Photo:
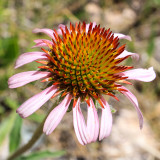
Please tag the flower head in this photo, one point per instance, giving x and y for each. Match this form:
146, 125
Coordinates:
82, 63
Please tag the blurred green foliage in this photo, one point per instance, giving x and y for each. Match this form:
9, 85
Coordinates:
11, 103
37, 117
15, 134
9, 50
151, 44
42, 155
6, 126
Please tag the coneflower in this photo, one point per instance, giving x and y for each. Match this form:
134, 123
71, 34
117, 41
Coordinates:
82, 63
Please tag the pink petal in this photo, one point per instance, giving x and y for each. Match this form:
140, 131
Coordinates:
23, 78
79, 124
35, 102
76, 127
47, 31
29, 57
92, 122
126, 53
87, 26
41, 43
133, 99
59, 28
140, 74
63, 27
106, 120
56, 115
122, 36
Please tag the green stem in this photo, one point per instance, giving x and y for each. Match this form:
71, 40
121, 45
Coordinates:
37, 134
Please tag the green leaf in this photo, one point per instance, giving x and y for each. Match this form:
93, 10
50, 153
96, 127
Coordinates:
41, 155
15, 134
6, 126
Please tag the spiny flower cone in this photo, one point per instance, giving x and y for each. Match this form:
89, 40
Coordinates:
85, 63
82, 63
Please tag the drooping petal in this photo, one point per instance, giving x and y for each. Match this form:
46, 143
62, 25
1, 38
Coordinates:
79, 124
35, 102
122, 36
106, 120
140, 74
56, 115
133, 99
23, 78
47, 31
92, 122
41, 43
75, 124
126, 53
29, 57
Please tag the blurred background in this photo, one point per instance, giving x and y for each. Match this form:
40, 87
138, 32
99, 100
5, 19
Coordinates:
138, 18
